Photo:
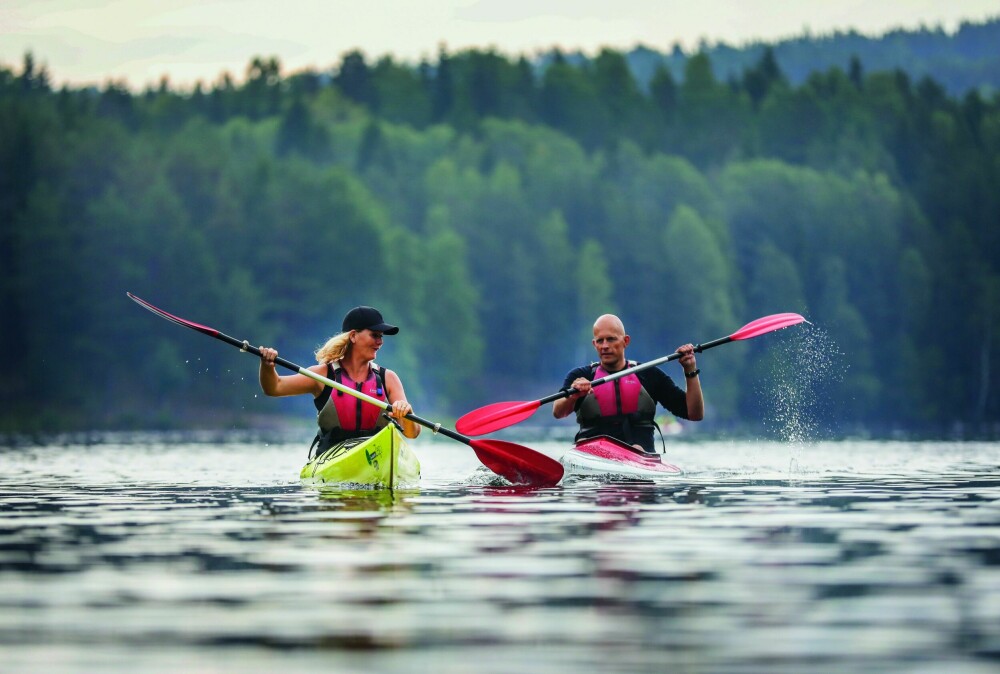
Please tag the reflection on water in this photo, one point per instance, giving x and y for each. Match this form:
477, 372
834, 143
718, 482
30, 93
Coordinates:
212, 557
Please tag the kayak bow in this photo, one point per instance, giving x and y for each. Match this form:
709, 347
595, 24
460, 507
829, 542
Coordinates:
381, 460
608, 457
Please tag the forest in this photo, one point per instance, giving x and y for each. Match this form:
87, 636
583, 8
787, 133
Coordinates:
493, 209
960, 60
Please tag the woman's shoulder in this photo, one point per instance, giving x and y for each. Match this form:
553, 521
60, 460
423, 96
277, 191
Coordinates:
322, 368
381, 368
383, 371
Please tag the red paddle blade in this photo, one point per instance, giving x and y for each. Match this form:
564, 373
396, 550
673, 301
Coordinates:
170, 317
767, 324
494, 417
519, 465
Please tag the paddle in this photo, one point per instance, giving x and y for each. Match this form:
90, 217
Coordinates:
501, 415
519, 465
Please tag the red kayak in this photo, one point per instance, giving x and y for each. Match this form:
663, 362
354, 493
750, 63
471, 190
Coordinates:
609, 457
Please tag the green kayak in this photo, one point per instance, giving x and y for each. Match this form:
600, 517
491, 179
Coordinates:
383, 460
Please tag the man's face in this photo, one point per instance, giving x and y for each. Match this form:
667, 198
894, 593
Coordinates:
610, 342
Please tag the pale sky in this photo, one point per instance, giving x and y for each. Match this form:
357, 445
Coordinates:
140, 41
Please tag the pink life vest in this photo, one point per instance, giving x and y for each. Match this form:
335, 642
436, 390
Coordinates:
353, 413
342, 415
620, 396
621, 408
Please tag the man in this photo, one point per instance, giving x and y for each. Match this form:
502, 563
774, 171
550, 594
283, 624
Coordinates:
626, 407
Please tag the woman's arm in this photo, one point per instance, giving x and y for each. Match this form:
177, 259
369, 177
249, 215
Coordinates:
296, 384
400, 407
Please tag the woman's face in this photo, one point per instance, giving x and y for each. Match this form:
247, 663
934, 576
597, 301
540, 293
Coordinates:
367, 343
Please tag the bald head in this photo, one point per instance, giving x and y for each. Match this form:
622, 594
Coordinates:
609, 322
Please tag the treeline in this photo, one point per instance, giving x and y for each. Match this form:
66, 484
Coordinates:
960, 61
493, 212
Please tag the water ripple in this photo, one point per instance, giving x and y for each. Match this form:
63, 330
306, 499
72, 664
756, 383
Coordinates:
866, 556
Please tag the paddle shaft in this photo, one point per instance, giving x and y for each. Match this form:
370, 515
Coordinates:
567, 392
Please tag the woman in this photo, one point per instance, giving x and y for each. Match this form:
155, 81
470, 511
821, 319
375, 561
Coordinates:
347, 358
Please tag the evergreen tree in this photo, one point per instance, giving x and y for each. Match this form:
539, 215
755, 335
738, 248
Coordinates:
354, 79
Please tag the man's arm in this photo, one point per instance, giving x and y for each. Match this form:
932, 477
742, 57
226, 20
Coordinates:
692, 385
682, 404
694, 398
578, 379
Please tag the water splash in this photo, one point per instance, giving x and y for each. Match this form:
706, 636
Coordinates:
484, 477
806, 362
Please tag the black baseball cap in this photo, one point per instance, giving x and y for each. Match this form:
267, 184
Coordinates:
367, 318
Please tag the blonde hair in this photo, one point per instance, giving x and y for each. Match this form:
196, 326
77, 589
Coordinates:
335, 348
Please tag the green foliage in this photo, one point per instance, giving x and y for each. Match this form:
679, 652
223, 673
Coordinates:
595, 291
700, 294
493, 210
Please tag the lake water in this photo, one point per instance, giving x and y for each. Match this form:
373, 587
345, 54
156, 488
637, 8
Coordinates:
159, 554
